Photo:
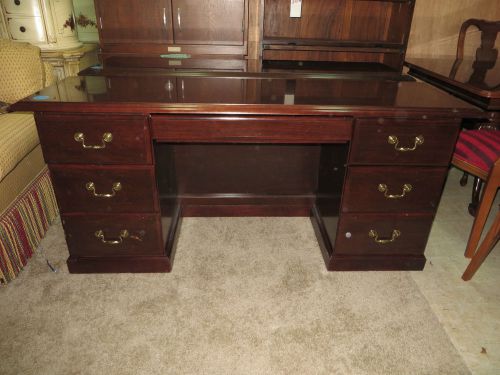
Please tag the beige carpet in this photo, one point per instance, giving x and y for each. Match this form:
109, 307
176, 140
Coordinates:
247, 296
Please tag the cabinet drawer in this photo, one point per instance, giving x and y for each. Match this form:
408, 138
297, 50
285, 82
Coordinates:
396, 234
278, 129
24, 7
392, 141
110, 235
27, 28
393, 189
106, 139
104, 189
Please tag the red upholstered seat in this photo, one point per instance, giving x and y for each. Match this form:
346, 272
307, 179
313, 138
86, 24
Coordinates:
480, 148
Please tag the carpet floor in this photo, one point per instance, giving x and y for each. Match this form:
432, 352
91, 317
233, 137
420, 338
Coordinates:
246, 296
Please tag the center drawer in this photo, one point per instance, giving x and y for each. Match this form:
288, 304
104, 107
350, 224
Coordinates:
104, 189
273, 129
393, 189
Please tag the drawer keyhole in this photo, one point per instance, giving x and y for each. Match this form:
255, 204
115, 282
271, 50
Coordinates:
23, 29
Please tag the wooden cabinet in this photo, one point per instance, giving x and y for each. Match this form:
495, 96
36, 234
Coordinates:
173, 26
374, 31
45, 23
355, 21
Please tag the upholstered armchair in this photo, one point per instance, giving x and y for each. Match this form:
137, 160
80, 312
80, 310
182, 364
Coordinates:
27, 202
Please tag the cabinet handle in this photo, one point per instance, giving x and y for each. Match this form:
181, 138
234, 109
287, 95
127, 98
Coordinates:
373, 234
17, 2
90, 186
106, 138
123, 234
383, 189
22, 29
393, 140
179, 18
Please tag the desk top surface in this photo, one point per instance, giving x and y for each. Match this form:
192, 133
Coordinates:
195, 92
477, 78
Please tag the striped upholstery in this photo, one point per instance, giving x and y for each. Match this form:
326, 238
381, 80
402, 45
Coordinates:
480, 148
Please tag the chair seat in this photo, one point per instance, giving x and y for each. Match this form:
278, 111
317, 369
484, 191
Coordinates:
18, 136
479, 148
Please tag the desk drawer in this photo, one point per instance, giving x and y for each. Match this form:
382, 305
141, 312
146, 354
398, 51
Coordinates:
278, 129
393, 141
113, 235
98, 139
382, 234
104, 189
393, 189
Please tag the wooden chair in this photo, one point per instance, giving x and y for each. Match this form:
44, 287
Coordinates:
491, 239
485, 59
486, 54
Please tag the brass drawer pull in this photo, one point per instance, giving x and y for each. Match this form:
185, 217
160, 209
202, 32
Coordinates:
383, 189
393, 140
106, 138
123, 234
90, 186
373, 234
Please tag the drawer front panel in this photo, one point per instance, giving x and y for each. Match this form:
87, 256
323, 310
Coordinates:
27, 28
378, 234
95, 139
393, 189
392, 141
113, 235
24, 7
251, 129
104, 189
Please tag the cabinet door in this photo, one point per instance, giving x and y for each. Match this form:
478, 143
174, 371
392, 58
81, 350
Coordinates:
209, 22
340, 20
134, 21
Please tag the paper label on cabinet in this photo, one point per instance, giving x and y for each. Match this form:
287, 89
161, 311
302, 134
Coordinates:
295, 8
289, 99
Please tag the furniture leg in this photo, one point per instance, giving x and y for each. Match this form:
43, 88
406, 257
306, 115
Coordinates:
489, 242
463, 180
476, 193
482, 214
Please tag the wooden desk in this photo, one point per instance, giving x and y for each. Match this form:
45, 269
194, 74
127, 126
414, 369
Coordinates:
130, 154
476, 82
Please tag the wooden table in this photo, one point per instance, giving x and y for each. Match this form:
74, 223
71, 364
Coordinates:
476, 82
132, 152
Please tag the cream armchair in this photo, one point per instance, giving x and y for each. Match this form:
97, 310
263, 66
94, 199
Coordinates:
27, 203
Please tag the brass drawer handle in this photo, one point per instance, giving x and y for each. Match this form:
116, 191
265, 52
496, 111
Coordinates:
90, 186
106, 138
393, 140
383, 189
123, 234
373, 234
